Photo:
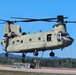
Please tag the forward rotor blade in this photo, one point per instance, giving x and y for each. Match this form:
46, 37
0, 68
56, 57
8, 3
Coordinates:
70, 21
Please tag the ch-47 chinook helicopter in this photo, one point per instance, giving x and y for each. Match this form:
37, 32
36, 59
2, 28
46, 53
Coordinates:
16, 41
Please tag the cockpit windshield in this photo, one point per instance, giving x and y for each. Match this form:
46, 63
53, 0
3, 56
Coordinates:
64, 34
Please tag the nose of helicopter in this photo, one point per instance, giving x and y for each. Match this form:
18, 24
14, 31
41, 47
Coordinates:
69, 41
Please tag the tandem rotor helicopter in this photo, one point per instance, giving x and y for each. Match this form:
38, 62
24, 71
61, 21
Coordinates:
16, 41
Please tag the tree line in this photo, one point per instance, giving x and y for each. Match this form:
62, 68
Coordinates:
44, 62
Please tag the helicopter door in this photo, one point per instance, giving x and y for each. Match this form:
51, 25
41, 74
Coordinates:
49, 37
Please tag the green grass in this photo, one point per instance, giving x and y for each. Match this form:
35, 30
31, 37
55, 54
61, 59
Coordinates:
25, 73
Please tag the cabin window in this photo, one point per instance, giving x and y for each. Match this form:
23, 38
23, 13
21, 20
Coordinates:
4, 41
21, 41
49, 37
39, 38
13, 42
17, 40
30, 39
1, 43
24, 33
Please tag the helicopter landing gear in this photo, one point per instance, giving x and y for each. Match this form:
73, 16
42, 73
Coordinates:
52, 54
35, 53
23, 55
23, 58
6, 54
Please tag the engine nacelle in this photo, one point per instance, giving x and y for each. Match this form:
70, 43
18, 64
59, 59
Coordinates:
59, 27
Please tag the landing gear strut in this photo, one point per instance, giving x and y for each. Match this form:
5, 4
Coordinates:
52, 54
35, 53
6, 54
23, 58
23, 55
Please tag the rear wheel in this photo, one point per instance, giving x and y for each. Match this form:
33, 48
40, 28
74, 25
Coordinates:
35, 54
23, 55
52, 54
6, 54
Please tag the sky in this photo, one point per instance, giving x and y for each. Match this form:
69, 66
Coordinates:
41, 9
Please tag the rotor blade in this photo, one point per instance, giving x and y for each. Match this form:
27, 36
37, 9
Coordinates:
2, 22
70, 21
59, 17
50, 19
33, 19
29, 20
20, 18
6, 20
26, 19
47, 19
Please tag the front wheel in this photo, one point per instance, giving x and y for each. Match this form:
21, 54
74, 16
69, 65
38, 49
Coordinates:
35, 54
52, 54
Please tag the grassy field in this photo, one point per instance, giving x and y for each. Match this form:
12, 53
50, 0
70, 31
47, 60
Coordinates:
25, 73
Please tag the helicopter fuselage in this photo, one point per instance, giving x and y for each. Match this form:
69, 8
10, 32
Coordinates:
40, 41
18, 42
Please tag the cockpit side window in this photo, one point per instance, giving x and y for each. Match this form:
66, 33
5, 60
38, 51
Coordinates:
59, 37
62, 34
49, 37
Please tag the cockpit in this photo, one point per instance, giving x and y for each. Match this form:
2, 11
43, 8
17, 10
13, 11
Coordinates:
63, 35
64, 38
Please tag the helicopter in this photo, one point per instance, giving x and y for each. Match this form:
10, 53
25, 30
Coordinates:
16, 41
